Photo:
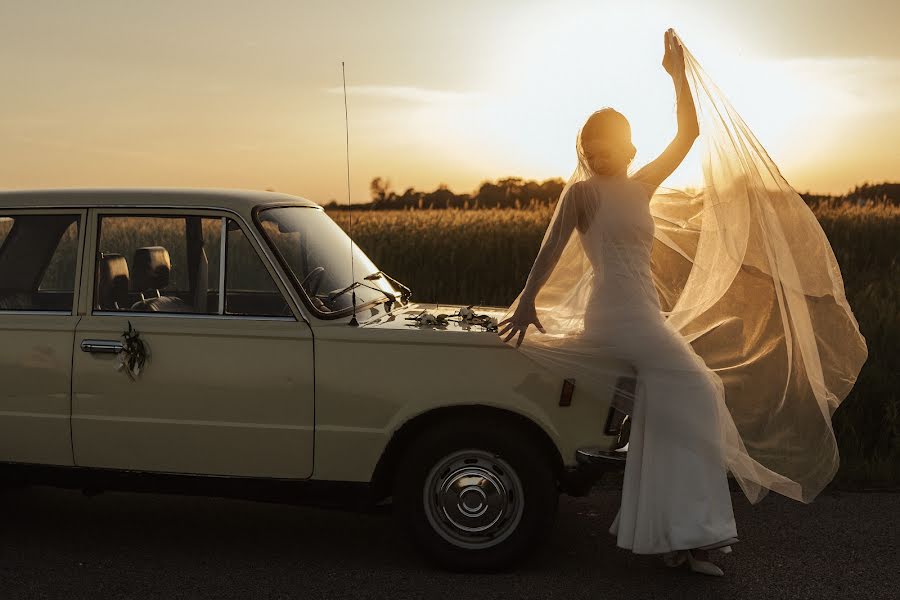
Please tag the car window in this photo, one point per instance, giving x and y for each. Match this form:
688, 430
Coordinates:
60, 273
249, 288
158, 264
38, 256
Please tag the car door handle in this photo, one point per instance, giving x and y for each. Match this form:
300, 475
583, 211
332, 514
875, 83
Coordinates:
102, 346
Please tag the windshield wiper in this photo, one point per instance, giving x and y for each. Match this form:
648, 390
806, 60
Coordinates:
405, 292
390, 298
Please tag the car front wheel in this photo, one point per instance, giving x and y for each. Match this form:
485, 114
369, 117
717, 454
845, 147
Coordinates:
476, 496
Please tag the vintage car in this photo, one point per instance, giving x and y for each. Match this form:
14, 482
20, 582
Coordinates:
237, 343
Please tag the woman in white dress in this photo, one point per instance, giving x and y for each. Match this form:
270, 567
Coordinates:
599, 293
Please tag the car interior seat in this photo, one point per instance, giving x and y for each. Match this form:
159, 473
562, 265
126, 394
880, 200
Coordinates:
151, 266
112, 285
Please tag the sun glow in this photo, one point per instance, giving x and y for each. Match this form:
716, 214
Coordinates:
586, 61
535, 96
451, 93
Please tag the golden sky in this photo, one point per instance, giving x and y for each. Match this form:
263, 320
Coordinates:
247, 94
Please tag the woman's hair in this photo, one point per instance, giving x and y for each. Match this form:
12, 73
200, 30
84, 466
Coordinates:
605, 142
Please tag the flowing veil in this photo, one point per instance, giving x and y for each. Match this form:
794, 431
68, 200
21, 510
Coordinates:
745, 273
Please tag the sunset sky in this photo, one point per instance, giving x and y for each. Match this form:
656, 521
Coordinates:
247, 94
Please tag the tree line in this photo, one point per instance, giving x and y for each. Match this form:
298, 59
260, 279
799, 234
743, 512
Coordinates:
883, 193
518, 193
509, 192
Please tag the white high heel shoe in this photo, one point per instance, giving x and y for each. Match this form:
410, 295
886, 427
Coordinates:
703, 566
681, 557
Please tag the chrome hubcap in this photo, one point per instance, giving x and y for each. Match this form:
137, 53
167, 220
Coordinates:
473, 499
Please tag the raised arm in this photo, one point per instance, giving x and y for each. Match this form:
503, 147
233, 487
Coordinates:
655, 172
571, 212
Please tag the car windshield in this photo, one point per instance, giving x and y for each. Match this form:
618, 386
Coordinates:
317, 251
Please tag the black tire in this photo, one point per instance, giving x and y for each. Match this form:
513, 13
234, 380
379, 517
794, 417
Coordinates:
503, 457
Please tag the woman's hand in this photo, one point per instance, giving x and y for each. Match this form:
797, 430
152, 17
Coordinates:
518, 323
673, 59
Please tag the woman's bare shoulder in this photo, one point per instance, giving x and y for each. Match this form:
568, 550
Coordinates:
579, 192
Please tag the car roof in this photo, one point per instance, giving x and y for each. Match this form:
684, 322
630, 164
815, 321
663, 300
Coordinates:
241, 201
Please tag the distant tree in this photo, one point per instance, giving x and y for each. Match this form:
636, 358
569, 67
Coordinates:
886, 192
442, 197
380, 191
525, 194
880, 192
490, 194
551, 189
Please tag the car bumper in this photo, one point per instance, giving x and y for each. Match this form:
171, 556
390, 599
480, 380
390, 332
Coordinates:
605, 459
591, 464
593, 461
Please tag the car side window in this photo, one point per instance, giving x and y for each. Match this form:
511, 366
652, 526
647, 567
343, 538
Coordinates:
38, 262
158, 264
249, 288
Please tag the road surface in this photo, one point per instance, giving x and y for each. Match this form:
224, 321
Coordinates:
62, 544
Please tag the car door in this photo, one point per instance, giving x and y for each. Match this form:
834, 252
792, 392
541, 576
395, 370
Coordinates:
40, 253
227, 387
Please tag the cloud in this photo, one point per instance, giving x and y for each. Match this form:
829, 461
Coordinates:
851, 85
404, 93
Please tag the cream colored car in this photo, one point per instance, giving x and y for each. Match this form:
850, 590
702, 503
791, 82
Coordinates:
255, 384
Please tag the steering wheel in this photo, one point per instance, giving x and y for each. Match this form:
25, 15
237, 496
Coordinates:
312, 281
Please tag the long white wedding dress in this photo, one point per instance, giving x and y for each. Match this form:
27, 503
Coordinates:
675, 494
730, 305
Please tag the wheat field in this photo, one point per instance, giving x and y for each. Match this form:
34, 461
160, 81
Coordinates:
483, 256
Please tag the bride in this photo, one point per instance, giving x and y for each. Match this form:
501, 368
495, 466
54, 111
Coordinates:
728, 304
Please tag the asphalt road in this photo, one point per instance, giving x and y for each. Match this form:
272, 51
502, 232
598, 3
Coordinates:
61, 544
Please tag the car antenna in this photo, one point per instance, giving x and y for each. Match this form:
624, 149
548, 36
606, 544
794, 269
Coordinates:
353, 322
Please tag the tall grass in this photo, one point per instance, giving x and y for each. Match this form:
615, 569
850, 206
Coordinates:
866, 238
454, 256
483, 256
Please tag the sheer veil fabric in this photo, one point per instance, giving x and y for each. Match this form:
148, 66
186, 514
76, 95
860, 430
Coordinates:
741, 270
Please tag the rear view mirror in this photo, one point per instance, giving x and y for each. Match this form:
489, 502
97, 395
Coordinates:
282, 225
283, 228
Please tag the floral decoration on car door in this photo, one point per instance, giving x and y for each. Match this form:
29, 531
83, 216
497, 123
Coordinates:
134, 354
